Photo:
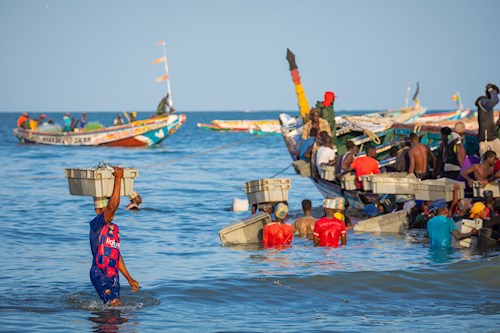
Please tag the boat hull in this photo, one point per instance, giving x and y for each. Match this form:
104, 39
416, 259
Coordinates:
142, 133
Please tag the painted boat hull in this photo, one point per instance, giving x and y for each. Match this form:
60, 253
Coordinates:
142, 133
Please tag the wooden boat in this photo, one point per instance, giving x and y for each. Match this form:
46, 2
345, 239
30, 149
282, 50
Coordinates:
140, 133
252, 126
445, 116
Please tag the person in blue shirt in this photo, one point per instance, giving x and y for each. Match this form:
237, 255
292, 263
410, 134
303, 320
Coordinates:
441, 228
105, 246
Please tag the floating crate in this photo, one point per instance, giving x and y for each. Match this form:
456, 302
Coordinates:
465, 226
328, 172
247, 231
302, 168
478, 190
267, 190
396, 222
348, 182
435, 189
97, 182
394, 183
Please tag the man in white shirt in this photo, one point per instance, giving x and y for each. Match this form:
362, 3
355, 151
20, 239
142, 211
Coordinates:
326, 154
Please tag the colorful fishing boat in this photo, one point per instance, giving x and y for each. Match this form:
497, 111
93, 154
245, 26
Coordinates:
252, 126
140, 133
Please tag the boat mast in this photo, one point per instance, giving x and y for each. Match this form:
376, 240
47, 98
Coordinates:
459, 102
170, 102
407, 94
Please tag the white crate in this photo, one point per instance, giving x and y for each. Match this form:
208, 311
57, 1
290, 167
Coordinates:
435, 189
267, 190
328, 172
99, 182
465, 226
478, 190
302, 168
366, 180
247, 231
394, 183
348, 182
396, 222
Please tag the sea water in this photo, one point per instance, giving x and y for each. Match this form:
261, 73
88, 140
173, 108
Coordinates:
189, 282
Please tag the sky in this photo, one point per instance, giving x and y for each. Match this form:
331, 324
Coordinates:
224, 55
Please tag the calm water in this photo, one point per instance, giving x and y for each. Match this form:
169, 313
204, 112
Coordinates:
189, 282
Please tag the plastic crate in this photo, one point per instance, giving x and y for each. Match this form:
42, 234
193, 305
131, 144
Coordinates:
478, 190
435, 189
366, 180
348, 182
465, 226
396, 222
302, 168
267, 190
328, 172
247, 231
96, 182
394, 183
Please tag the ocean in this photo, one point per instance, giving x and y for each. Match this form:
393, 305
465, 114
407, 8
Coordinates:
189, 282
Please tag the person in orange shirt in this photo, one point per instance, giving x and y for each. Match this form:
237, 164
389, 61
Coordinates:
22, 118
278, 233
364, 165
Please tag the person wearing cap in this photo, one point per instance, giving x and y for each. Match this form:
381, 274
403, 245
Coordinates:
304, 226
487, 133
329, 229
277, 232
478, 211
135, 201
317, 122
441, 228
105, 246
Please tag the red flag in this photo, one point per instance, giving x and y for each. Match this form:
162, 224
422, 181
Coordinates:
160, 42
158, 60
162, 78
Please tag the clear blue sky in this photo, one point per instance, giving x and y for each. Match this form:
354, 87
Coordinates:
61, 55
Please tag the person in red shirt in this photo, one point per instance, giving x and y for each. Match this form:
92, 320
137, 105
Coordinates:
278, 233
22, 118
329, 229
364, 165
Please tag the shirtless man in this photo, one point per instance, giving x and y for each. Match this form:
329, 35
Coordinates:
484, 172
419, 158
304, 225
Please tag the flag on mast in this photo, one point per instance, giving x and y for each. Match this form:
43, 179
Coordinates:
159, 60
160, 42
162, 78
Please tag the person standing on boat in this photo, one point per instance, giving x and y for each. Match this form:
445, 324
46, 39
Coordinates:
118, 120
327, 113
304, 225
451, 154
278, 232
105, 246
487, 133
419, 158
441, 228
83, 120
317, 122
364, 165
67, 122
329, 229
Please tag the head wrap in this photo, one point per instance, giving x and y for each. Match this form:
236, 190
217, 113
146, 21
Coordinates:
334, 203
476, 208
133, 195
100, 202
281, 211
329, 98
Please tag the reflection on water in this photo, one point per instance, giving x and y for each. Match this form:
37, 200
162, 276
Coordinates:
108, 321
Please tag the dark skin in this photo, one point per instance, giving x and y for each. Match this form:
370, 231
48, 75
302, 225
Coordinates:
419, 157
482, 172
109, 214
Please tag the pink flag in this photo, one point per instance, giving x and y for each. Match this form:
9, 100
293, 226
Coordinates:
162, 78
158, 60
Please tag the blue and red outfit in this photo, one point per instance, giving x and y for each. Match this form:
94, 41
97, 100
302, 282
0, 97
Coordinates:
105, 247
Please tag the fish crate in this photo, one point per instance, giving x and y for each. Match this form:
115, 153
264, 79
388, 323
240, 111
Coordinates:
99, 182
328, 172
247, 231
348, 182
478, 190
302, 168
396, 222
465, 226
267, 190
394, 183
366, 180
435, 189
